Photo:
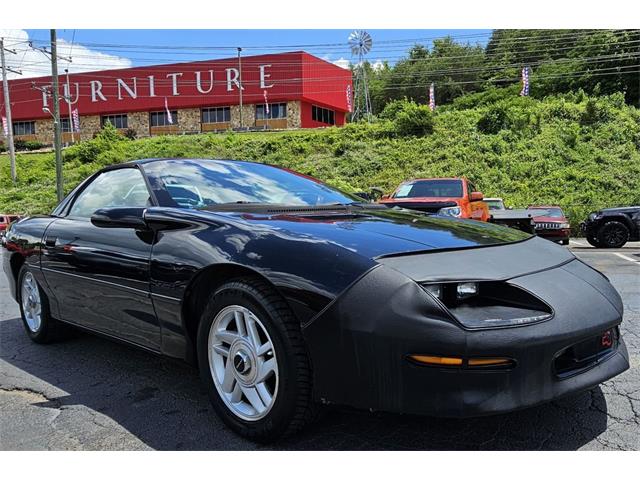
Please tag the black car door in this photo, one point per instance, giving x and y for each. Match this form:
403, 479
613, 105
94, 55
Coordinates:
100, 276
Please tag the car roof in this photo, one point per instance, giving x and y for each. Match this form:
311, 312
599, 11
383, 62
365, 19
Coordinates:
436, 178
496, 199
142, 161
545, 206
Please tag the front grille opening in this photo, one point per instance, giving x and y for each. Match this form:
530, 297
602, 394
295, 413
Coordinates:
584, 355
497, 304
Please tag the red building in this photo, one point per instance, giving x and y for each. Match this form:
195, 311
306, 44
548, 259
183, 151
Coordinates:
302, 91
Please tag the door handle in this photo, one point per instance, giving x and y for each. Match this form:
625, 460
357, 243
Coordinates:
50, 241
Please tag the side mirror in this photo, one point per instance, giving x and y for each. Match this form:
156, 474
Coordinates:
364, 195
476, 196
120, 217
376, 193
385, 197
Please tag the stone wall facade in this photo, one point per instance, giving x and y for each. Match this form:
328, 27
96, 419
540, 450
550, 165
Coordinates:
139, 122
294, 118
188, 121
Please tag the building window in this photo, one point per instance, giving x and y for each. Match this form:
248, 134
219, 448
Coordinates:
276, 110
118, 121
216, 115
161, 119
65, 125
323, 115
24, 128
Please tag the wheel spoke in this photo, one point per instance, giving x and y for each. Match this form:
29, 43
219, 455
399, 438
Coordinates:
254, 399
252, 331
264, 348
265, 396
265, 368
236, 394
229, 379
227, 336
222, 350
239, 318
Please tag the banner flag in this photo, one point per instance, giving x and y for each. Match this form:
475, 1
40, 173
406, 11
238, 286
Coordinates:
525, 82
5, 126
432, 97
76, 120
349, 101
166, 107
266, 103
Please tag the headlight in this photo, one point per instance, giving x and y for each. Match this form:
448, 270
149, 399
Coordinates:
450, 211
489, 304
466, 290
564, 225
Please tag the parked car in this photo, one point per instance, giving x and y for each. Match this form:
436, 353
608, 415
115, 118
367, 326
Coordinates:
5, 220
612, 227
495, 203
454, 197
289, 293
551, 223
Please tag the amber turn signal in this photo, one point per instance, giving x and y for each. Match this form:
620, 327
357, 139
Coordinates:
489, 362
433, 360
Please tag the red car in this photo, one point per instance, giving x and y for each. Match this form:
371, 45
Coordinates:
5, 220
550, 223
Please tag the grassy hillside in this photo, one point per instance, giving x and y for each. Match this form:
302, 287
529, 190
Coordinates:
580, 152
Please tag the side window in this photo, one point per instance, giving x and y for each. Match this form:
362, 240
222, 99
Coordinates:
471, 188
118, 188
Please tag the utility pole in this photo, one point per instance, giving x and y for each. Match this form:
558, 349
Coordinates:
7, 109
240, 78
67, 97
56, 116
57, 137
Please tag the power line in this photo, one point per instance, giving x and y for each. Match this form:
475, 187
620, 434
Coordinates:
591, 73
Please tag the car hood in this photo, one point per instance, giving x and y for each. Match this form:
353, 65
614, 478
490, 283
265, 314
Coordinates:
392, 201
620, 209
376, 232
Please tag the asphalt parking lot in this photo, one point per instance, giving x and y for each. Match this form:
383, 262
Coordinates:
90, 393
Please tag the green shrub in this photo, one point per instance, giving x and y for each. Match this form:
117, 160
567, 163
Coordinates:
538, 151
27, 145
494, 119
131, 134
409, 118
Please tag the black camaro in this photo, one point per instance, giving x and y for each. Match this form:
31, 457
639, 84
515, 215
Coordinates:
288, 293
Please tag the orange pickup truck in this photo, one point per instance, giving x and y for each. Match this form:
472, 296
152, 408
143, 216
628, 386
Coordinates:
455, 197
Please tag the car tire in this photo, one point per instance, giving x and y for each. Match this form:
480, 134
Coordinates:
264, 394
40, 326
613, 234
593, 241
564, 242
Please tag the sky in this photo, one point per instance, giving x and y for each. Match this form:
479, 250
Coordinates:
108, 49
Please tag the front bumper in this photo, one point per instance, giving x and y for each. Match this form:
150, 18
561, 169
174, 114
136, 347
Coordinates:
555, 234
359, 346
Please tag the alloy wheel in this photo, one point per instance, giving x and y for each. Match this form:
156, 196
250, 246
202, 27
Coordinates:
243, 363
31, 302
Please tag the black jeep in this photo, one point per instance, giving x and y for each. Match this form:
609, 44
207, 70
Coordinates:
612, 227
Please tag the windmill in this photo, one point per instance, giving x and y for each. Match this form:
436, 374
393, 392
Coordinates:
360, 43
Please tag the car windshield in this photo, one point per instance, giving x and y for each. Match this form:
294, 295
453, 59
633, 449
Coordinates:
430, 188
202, 183
552, 212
